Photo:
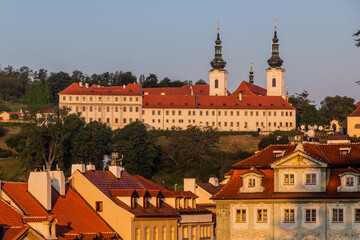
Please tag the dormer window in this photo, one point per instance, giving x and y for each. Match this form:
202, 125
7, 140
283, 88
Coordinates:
177, 203
278, 153
251, 183
289, 179
344, 151
349, 181
158, 202
133, 202
99, 206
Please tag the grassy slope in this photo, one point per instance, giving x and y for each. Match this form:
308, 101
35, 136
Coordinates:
12, 169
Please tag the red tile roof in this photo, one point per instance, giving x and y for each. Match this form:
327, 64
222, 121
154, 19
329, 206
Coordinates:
70, 209
231, 189
130, 89
9, 216
356, 113
201, 90
254, 170
216, 102
246, 88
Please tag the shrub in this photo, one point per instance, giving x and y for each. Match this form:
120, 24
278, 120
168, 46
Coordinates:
3, 131
5, 153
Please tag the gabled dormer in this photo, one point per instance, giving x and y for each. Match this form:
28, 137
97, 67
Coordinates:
252, 181
344, 151
128, 196
300, 172
349, 180
278, 153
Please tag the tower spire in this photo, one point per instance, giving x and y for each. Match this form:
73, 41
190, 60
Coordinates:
275, 61
218, 62
251, 74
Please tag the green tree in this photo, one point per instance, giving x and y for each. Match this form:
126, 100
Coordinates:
201, 82
138, 147
58, 82
337, 108
123, 78
151, 81
91, 143
300, 102
39, 96
311, 116
272, 138
165, 82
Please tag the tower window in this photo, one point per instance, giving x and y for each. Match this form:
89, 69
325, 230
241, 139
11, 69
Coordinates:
274, 82
216, 83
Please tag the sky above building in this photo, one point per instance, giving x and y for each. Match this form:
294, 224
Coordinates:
175, 39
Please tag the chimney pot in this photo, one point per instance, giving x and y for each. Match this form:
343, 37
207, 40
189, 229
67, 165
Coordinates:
81, 84
87, 85
78, 166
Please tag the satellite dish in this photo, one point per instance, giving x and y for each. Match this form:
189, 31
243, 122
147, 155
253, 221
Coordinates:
309, 127
311, 133
315, 126
302, 127
321, 128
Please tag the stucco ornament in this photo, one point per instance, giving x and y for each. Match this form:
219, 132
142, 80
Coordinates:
311, 236
289, 235
223, 214
240, 235
356, 236
337, 236
262, 236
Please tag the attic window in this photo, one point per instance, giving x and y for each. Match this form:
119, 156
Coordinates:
260, 104
283, 105
99, 206
224, 104
130, 91
158, 202
211, 104
159, 104
109, 91
248, 104
344, 151
171, 104
278, 153
236, 104
146, 104
272, 105
186, 104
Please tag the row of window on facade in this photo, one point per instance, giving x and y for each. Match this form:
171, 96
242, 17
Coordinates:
108, 99
91, 108
225, 124
156, 233
231, 113
289, 215
116, 120
190, 232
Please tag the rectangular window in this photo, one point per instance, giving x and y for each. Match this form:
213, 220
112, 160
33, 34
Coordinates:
99, 98
225, 113
262, 215
289, 216
311, 179
143, 112
77, 108
357, 215
213, 113
130, 108
225, 124
251, 113
282, 113
153, 112
257, 113
70, 98
116, 99
99, 206
173, 112
107, 120
124, 109
280, 124
99, 119
241, 215
124, 121
274, 114
179, 113
147, 234
130, 120
207, 113
137, 234
310, 215
290, 114
286, 124
116, 120
108, 109
189, 113
137, 109
338, 215
290, 124
64, 98
77, 98
116, 109
251, 183
91, 99
349, 181
289, 179
91, 119
219, 113
159, 112
91, 108
286, 113
264, 113
193, 113
84, 109
200, 113
231, 113
124, 99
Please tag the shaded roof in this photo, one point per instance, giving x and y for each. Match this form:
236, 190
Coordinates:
338, 137
231, 189
247, 88
9, 216
70, 209
130, 89
210, 188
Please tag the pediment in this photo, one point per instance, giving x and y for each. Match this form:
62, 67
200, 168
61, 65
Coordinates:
298, 159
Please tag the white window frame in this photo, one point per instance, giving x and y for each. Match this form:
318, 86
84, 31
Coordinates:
251, 183
357, 215
289, 215
347, 181
264, 215
241, 212
314, 174
337, 215
288, 176
311, 212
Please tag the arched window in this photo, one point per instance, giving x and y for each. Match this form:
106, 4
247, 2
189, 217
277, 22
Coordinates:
216, 83
357, 126
274, 82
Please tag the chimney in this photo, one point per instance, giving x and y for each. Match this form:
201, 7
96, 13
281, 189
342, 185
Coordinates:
87, 85
90, 167
191, 91
81, 84
0, 188
39, 186
58, 181
116, 170
162, 93
190, 184
240, 96
78, 166
214, 181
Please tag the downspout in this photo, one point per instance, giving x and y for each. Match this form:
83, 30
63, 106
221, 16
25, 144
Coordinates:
326, 220
273, 222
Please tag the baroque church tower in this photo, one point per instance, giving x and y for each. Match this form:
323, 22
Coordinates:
218, 75
275, 74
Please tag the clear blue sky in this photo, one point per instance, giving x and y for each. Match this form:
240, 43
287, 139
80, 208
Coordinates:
176, 39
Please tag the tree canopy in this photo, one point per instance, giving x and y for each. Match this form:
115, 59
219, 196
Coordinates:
337, 108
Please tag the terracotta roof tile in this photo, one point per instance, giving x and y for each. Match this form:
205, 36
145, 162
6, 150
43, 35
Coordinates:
210, 188
9, 216
356, 112
185, 90
247, 88
130, 89
254, 170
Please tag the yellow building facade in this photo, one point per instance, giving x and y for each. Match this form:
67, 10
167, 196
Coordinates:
353, 122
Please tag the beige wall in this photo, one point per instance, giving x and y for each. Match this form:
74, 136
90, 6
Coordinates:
276, 228
4, 116
351, 122
221, 76
278, 74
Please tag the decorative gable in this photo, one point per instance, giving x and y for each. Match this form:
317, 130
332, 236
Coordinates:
298, 159
252, 181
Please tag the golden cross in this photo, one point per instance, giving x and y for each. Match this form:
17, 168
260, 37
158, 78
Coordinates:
275, 23
218, 28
